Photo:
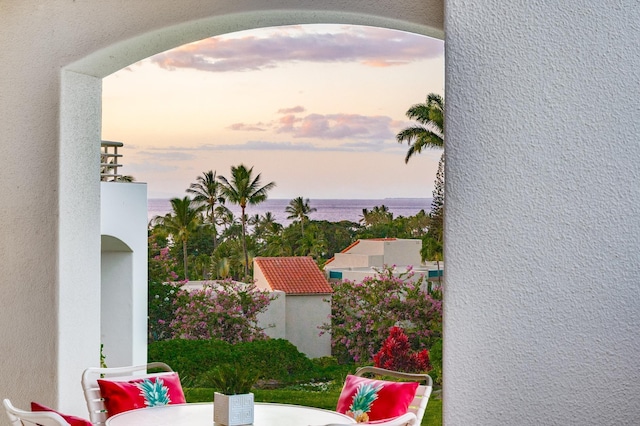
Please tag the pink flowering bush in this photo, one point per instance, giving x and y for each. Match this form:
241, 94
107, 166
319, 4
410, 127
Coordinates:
162, 292
362, 313
225, 310
396, 354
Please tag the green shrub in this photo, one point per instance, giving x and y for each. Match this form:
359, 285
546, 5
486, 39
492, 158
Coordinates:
435, 356
272, 359
230, 379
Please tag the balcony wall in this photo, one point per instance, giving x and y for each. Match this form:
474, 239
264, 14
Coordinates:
123, 225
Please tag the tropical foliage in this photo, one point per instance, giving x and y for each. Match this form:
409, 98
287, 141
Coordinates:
429, 133
396, 354
362, 313
180, 223
243, 189
299, 209
208, 191
225, 310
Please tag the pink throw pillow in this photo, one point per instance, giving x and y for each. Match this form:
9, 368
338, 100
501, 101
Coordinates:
142, 392
72, 420
368, 400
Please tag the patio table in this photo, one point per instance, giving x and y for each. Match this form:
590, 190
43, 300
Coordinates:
201, 414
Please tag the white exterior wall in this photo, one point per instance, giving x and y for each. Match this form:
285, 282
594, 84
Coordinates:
295, 318
124, 272
542, 183
368, 248
351, 260
304, 314
274, 319
402, 252
543, 195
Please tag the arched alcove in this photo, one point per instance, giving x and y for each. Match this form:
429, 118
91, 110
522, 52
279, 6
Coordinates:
81, 98
116, 299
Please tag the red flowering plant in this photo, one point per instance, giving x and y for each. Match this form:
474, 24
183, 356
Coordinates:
396, 354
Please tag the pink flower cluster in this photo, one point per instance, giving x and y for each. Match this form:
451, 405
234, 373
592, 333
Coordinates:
225, 310
362, 313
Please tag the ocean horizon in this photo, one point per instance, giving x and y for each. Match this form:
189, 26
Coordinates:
332, 210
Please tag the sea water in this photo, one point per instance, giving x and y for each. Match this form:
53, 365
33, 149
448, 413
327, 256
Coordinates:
329, 210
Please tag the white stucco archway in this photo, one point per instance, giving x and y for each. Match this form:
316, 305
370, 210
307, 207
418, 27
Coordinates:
95, 39
542, 136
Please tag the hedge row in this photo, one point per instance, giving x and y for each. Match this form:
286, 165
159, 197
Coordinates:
273, 359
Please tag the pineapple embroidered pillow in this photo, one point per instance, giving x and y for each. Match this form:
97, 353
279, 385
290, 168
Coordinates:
367, 400
141, 392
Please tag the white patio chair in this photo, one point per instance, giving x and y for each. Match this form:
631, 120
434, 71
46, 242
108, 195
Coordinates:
95, 403
417, 407
19, 417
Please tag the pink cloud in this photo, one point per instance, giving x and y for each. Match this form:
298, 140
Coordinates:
293, 110
247, 127
339, 126
369, 46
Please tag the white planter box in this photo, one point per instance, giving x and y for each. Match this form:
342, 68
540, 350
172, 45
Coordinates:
233, 410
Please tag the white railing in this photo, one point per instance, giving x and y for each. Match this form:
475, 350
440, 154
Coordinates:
109, 161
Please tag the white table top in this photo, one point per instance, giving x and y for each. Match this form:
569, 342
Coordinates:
202, 414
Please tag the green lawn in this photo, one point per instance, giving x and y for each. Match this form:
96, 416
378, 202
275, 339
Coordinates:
327, 399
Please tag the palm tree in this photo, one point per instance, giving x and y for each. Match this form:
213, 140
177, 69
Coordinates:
264, 226
430, 132
207, 190
180, 222
375, 216
244, 189
299, 208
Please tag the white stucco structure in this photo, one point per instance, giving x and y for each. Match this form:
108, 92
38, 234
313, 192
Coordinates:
542, 183
295, 316
367, 257
123, 267
378, 252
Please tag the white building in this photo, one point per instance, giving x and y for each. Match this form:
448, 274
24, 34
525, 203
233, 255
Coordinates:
123, 273
302, 303
542, 159
365, 257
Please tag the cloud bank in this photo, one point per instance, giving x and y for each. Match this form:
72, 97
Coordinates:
374, 47
327, 126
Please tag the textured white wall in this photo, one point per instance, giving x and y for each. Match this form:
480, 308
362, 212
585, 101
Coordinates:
304, 314
54, 56
542, 297
402, 252
273, 320
123, 208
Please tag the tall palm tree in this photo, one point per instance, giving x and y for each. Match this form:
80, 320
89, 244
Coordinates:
180, 222
208, 191
243, 189
299, 208
430, 132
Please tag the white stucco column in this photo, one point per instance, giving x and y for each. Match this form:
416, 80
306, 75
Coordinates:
542, 301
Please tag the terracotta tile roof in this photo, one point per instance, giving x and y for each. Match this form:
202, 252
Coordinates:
293, 275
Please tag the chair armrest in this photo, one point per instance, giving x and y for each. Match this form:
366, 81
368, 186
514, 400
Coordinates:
407, 419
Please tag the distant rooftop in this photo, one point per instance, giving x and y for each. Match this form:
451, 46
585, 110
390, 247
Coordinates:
293, 275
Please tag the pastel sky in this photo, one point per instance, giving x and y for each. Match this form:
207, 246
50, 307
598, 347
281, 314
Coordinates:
314, 108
